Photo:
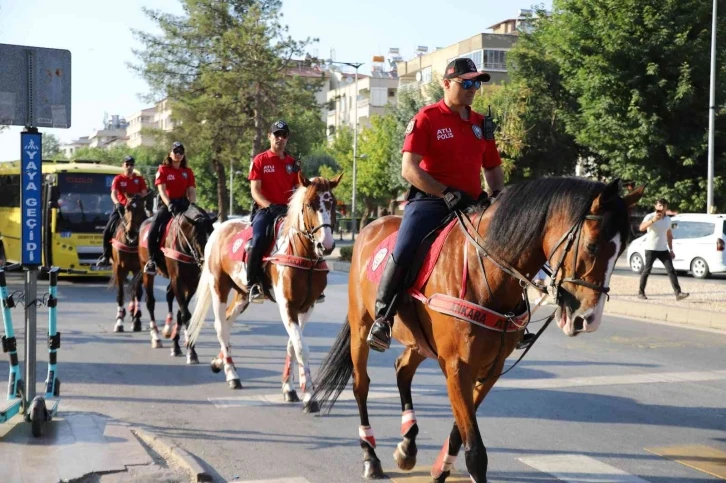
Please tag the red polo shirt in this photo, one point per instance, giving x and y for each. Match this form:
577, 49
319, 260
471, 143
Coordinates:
278, 176
127, 185
176, 180
454, 150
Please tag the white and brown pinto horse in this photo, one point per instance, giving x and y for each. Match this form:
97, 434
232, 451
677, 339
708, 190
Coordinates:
294, 276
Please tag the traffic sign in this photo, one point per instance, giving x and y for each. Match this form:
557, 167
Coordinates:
30, 197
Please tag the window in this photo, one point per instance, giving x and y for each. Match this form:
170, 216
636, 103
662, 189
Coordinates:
10, 191
392, 92
495, 60
426, 75
692, 229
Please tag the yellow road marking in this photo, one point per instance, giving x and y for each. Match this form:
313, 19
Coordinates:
422, 475
702, 458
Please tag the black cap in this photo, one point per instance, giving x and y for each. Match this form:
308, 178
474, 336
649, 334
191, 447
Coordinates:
279, 126
466, 69
129, 160
177, 145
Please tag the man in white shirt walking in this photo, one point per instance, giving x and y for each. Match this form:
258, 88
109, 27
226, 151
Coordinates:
659, 245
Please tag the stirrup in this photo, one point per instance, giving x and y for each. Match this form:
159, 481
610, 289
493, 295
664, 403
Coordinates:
103, 261
150, 267
255, 295
383, 342
321, 298
526, 341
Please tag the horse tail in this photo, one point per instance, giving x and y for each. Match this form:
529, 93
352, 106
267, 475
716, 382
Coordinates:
335, 371
203, 298
135, 281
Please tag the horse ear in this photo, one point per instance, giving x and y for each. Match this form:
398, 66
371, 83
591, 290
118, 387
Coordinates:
611, 191
632, 198
334, 182
303, 179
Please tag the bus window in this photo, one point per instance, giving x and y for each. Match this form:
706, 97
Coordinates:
84, 201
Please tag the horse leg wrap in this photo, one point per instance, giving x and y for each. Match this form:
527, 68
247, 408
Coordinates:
121, 313
366, 436
444, 462
408, 420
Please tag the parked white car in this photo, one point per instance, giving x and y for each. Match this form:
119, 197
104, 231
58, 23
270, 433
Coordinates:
698, 244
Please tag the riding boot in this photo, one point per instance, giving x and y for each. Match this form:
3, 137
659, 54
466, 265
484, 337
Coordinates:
105, 258
254, 272
379, 338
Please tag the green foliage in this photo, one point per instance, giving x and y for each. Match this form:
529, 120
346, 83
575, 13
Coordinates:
51, 146
147, 158
226, 68
346, 253
636, 73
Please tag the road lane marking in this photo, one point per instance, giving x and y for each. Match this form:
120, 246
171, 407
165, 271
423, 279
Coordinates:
504, 384
292, 479
422, 475
708, 460
574, 468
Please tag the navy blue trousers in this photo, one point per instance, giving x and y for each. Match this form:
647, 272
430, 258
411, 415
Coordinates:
421, 215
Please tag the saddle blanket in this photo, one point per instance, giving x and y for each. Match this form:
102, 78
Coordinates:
374, 270
236, 248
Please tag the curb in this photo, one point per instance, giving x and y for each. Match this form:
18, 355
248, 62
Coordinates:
647, 312
181, 456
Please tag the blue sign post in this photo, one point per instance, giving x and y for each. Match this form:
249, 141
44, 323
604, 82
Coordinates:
30, 198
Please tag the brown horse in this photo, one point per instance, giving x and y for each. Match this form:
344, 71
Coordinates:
183, 250
295, 278
579, 227
125, 259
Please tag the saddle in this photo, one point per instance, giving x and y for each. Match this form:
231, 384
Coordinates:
237, 246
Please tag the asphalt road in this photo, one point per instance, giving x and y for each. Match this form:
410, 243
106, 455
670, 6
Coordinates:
593, 408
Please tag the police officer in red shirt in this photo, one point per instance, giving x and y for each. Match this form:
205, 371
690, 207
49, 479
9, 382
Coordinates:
177, 188
273, 179
123, 187
446, 146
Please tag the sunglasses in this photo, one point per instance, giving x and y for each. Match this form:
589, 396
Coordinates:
280, 134
468, 83
178, 151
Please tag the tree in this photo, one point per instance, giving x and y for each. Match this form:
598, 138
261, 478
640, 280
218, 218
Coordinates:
51, 146
225, 66
638, 71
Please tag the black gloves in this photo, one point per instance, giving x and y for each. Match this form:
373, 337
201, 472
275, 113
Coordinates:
175, 207
456, 199
120, 208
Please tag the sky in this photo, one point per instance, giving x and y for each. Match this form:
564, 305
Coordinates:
99, 35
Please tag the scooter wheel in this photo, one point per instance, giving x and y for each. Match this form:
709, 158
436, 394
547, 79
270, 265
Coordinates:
37, 416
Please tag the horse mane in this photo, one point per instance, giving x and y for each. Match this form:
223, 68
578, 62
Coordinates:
295, 209
523, 209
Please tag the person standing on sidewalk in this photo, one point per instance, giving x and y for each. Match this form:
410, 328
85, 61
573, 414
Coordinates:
659, 245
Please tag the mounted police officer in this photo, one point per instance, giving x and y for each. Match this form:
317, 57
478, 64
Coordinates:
123, 187
177, 188
446, 146
273, 179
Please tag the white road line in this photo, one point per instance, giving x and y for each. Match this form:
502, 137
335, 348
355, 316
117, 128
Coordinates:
574, 468
648, 378
503, 384
292, 479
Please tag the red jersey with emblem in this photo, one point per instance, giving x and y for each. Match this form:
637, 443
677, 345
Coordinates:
127, 185
176, 180
454, 150
278, 176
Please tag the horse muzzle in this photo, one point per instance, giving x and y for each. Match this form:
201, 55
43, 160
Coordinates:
322, 251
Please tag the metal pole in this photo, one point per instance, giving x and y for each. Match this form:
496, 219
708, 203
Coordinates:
711, 112
355, 155
231, 187
31, 283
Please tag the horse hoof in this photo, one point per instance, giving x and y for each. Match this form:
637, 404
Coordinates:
235, 384
176, 352
372, 470
118, 328
166, 332
156, 344
290, 396
137, 326
215, 369
442, 477
405, 462
192, 359
311, 407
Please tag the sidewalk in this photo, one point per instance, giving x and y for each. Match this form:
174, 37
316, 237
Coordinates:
85, 448
705, 308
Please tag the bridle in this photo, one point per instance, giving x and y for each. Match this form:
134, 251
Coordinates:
567, 239
126, 224
198, 258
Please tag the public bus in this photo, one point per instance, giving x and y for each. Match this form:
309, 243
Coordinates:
76, 207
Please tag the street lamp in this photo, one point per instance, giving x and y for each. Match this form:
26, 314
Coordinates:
352, 207
711, 114
355, 137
